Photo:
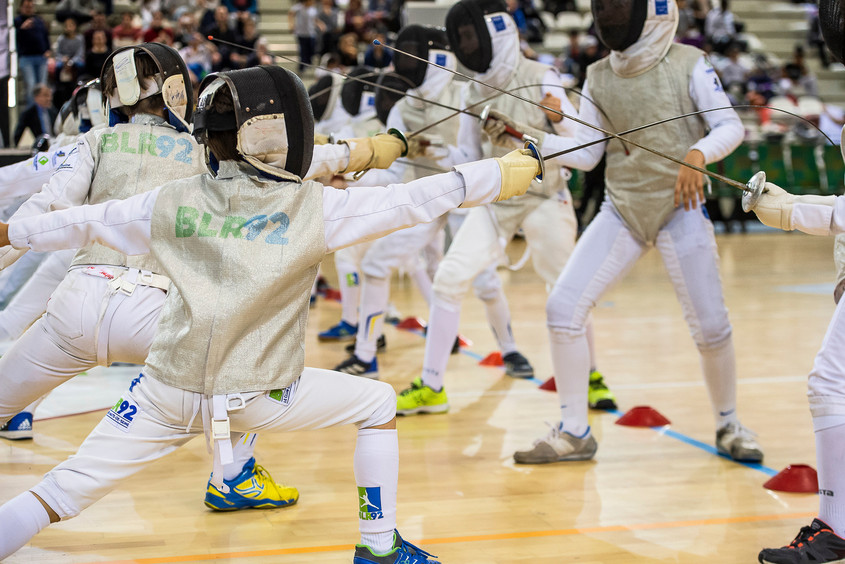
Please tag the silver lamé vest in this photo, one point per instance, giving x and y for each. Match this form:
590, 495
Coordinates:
242, 254
130, 159
415, 118
642, 185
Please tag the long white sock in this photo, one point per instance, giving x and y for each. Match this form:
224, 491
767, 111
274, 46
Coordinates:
376, 467
375, 294
442, 332
243, 448
499, 318
719, 368
830, 458
347, 276
571, 363
21, 518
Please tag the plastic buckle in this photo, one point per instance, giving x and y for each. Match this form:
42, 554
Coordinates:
220, 429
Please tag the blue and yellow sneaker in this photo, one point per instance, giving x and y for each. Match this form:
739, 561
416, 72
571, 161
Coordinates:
253, 488
402, 553
18, 427
343, 331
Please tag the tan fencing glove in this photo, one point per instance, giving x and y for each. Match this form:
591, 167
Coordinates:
518, 169
496, 124
774, 208
373, 152
320, 139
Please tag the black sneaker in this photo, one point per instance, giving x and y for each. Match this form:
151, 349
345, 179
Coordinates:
815, 544
456, 347
357, 367
517, 366
381, 344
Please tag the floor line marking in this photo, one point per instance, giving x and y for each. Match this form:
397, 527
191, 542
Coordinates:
479, 538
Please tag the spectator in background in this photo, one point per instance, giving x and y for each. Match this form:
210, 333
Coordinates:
329, 14
226, 57
198, 55
185, 29
98, 23
96, 56
831, 121
249, 36
797, 80
384, 14
33, 45
242, 7
69, 52
518, 16
304, 23
204, 14
347, 50
688, 30
126, 32
159, 30
376, 56
39, 116
356, 21
734, 74
261, 55
720, 27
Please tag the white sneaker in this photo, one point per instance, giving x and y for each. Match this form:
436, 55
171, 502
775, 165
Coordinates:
739, 443
558, 446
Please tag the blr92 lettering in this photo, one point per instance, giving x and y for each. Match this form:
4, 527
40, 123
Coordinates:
189, 222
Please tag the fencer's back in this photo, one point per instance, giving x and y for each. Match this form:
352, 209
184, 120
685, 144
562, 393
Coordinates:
130, 159
242, 254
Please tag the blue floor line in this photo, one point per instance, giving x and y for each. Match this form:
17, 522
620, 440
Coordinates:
662, 430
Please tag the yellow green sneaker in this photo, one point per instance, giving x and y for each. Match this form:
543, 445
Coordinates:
420, 398
599, 396
253, 488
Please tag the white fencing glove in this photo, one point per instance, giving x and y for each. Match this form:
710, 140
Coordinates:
496, 128
518, 169
774, 208
373, 152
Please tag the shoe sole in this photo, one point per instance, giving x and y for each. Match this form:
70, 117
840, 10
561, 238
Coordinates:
336, 339
756, 460
571, 458
517, 374
424, 409
604, 404
288, 503
16, 435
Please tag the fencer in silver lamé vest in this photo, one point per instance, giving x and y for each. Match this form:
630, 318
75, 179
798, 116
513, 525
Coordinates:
417, 115
234, 320
642, 186
130, 159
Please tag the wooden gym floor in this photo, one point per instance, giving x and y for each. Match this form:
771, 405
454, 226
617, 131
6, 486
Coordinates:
648, 496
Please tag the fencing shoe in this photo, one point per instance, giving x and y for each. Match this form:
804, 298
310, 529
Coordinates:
816, 544
420, 398
253, 488
739, 443
517, 366
402, 552
343, 331
558, 446
599, 396
18, 427
357, 367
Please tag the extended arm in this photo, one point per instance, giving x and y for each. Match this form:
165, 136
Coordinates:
123, 225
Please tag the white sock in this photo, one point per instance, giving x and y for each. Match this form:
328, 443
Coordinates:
347, 276
571, 363
375, 294
243, 448
591, 343
830, 458
423, 281
442, 332
499, 318
376, 465
21, 518
719, 368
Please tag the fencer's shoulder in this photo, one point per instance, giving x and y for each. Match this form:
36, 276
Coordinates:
599, 66
685, 54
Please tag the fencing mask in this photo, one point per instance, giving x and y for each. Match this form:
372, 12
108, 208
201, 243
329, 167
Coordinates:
386, 99
271, 114
357, 96
420, 41
832, 22
468, 32
619, 23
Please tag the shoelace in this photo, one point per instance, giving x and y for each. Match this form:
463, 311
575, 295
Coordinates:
806, 534
742, 431
416, 550
414, 386
598, 383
